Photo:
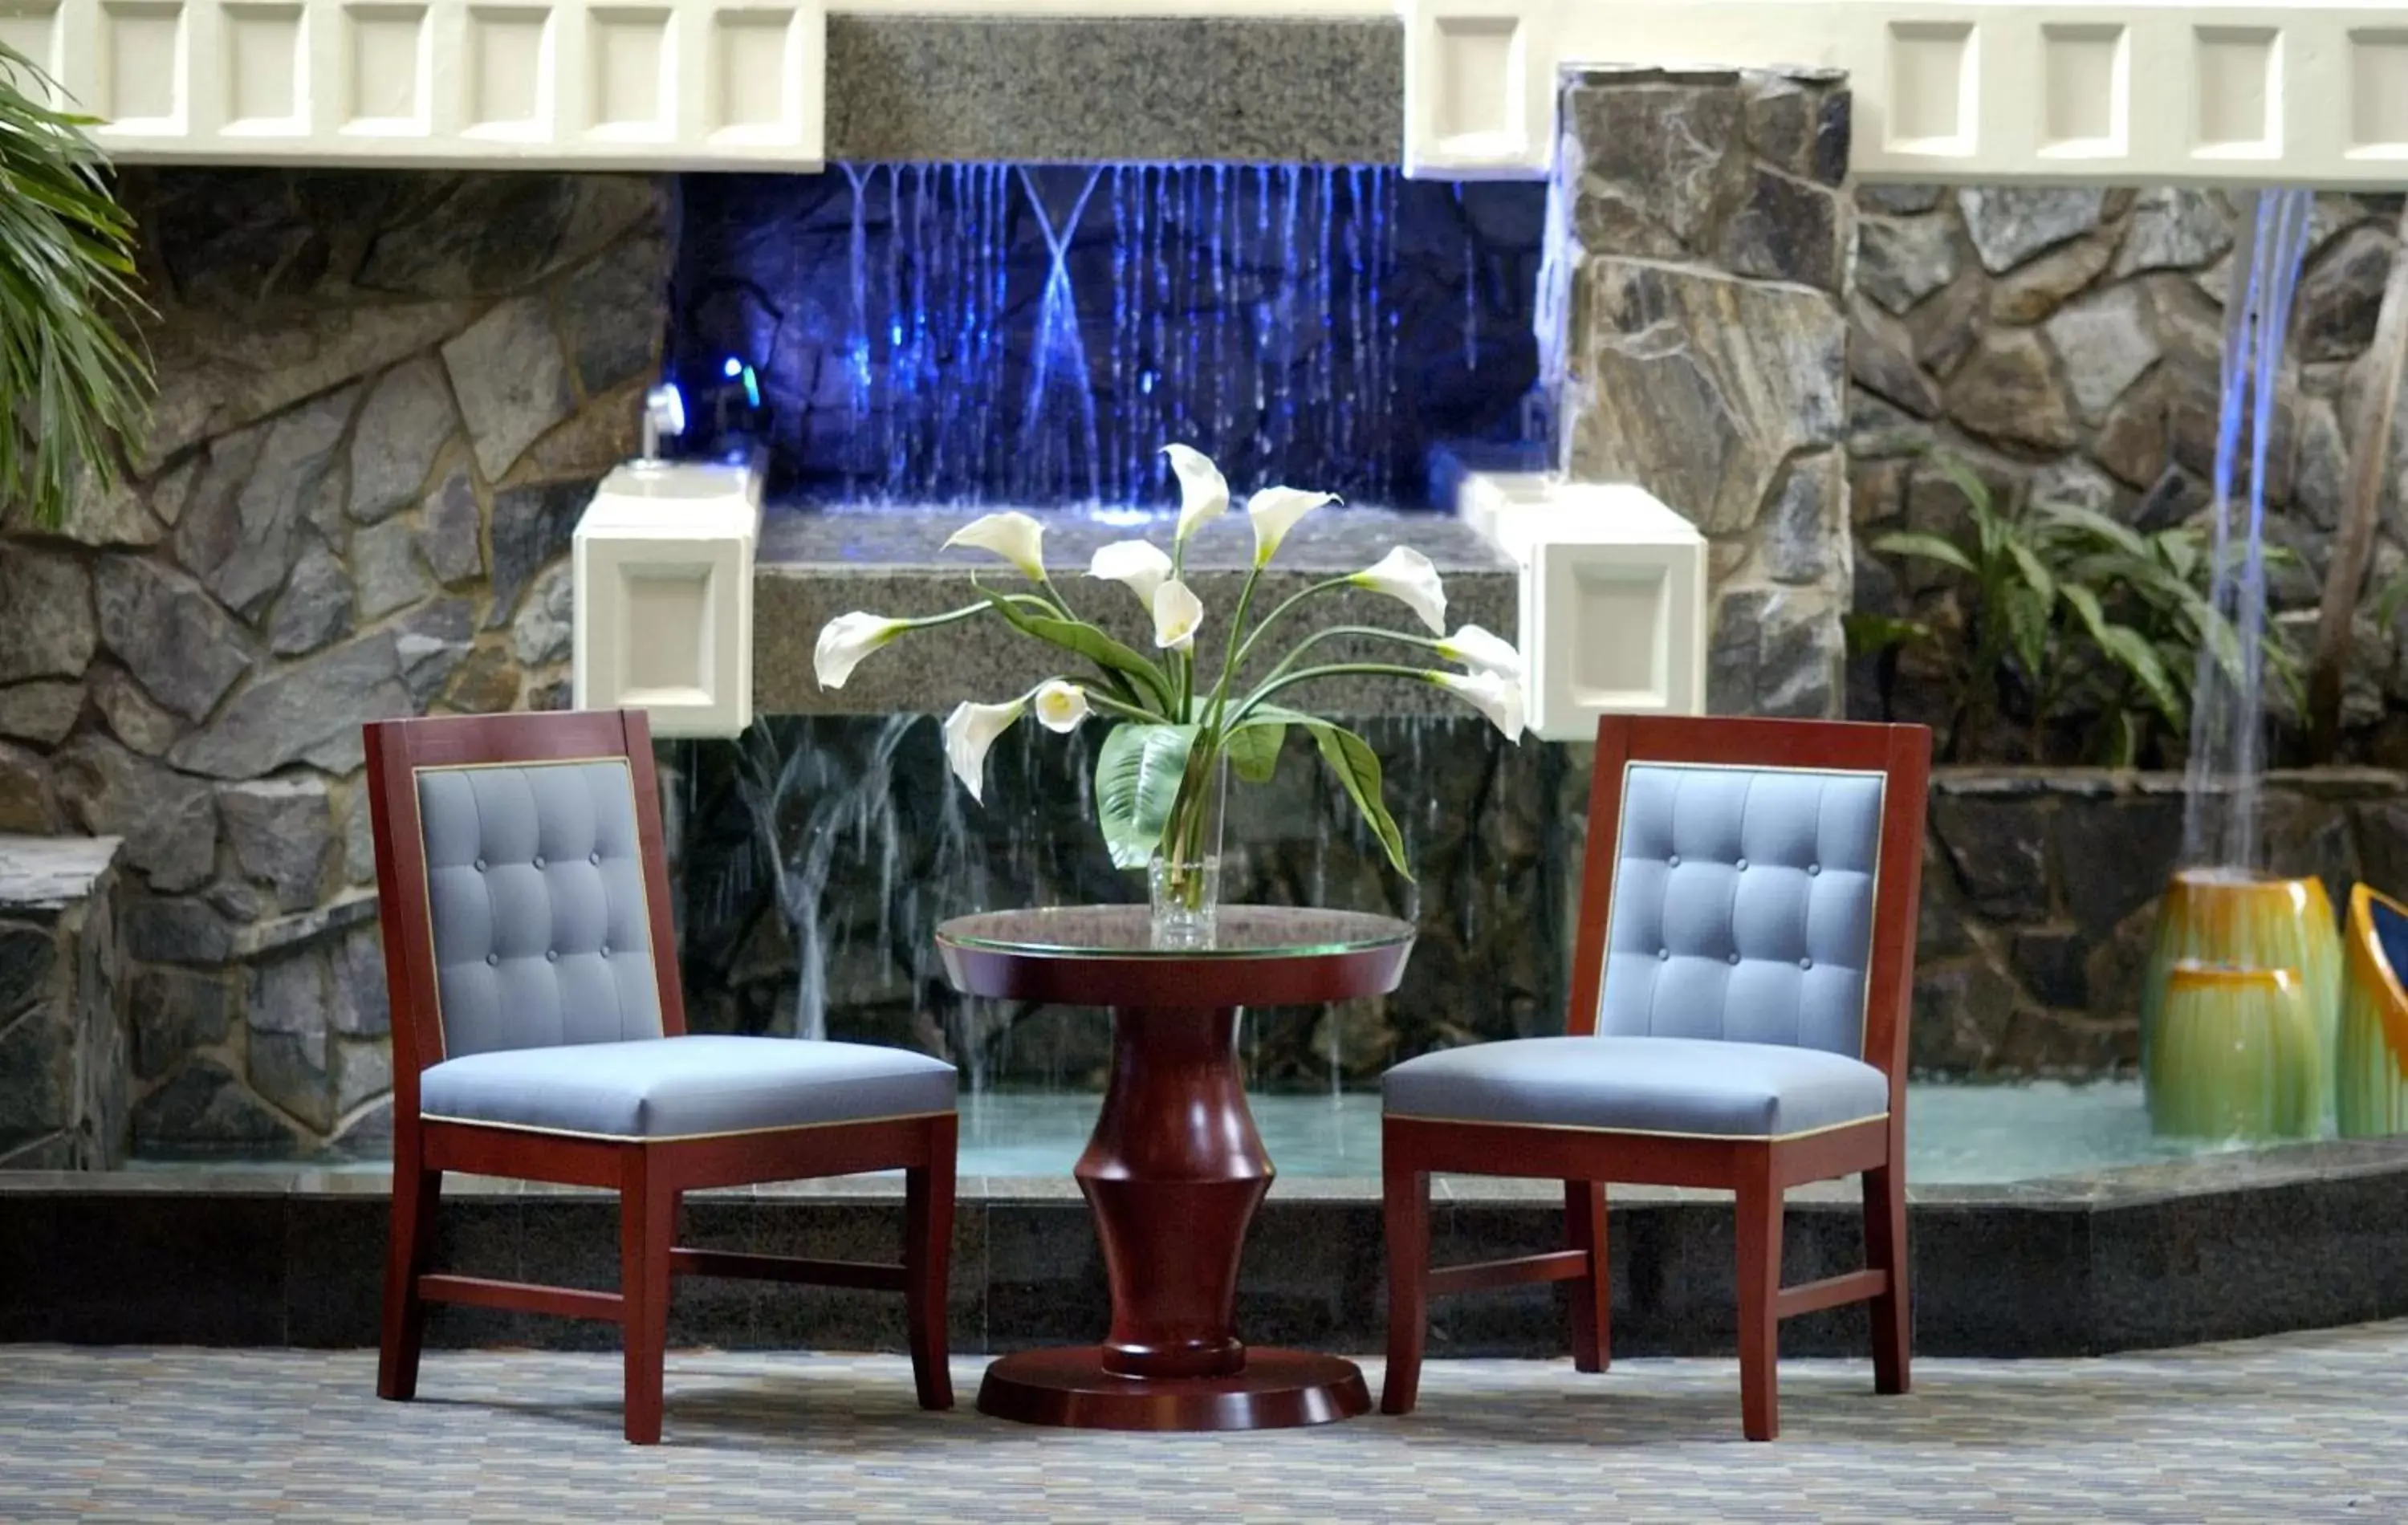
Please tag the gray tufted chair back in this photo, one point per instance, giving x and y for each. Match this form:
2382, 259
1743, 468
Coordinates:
535, 898
1743, 905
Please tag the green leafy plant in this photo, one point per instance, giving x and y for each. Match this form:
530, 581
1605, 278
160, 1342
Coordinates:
2065, 615
2389, 600
72, 377
2157, 583
1158, 772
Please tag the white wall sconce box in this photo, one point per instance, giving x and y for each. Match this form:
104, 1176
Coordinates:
1612, 602
664, 575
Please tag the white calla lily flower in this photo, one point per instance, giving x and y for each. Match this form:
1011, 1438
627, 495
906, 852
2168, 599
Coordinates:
1203, 492
970, 732
1061, 706
1142, 566
1274, 512
1497, 698
1407, 576
1482, 652
1013, 536
845, 640
1177, 615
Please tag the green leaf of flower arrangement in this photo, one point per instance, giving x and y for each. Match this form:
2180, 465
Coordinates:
1358, 768
1253, 748
1137, 781
1084, 639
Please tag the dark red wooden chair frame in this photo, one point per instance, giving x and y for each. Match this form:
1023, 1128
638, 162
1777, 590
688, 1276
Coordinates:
1757, 1170
649, 1177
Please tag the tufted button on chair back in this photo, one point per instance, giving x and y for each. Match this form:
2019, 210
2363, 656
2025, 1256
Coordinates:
535, 888
1743, 906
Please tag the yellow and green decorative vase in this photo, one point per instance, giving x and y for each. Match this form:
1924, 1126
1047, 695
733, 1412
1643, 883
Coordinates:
2231, 919
2371, 1065
2237, 1057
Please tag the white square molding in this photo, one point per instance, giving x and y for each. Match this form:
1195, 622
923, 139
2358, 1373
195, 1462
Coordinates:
1479, 87
31, 28
511, 74
2378, 92
758, 77
2236, 93
1934, 77
2086, 83
631, 90
266, 75
145, 83
388, 60
663, 568
1613, 606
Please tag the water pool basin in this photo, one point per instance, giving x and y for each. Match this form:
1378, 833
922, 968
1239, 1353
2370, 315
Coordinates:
1955, 1135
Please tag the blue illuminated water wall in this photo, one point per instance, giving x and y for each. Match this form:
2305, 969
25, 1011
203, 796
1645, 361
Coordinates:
987, 332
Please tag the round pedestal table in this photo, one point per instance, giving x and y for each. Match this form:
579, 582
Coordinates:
1174, 1170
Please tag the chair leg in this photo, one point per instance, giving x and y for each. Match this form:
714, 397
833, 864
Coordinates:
1592, 1294
1759, 1289
1886, 1250
1407, 1211
927, 1251
416, 1193
647, 1228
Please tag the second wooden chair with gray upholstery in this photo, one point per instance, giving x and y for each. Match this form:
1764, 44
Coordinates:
1739, 1014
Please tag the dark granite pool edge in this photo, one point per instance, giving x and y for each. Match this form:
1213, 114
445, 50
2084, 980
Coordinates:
1301, 90
2292, 1239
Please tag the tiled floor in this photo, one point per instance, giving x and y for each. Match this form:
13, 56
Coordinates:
2295, 1427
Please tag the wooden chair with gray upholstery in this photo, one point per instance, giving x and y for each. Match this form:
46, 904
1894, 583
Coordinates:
1739, 995
539, 1034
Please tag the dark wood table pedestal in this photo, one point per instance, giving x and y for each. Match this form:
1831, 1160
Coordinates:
1174, 1173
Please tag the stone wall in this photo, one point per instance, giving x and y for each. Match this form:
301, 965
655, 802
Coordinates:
382, 401
2066, 343
1702, 285
2040, 891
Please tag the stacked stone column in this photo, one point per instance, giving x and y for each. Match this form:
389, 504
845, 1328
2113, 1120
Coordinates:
1701, 282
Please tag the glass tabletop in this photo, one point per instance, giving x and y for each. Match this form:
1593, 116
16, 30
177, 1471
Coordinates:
1127, 931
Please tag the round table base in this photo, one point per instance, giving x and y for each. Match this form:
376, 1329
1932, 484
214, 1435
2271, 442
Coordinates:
1277, 1390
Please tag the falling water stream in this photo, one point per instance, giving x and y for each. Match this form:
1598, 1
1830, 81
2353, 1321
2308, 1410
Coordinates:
1238, 304
2220, 817
1032, 334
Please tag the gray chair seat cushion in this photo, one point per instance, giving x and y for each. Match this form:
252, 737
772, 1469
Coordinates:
1700, 1086
685, 1088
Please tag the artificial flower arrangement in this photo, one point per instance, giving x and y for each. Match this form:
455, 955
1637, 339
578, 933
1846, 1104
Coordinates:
1160, 775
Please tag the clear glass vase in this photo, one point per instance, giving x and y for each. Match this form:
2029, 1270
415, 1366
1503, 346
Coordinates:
1184, 881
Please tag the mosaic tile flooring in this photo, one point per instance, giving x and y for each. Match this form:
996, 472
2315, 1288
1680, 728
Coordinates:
2299, 1427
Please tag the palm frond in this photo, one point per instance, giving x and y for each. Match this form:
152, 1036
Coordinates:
74, 379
